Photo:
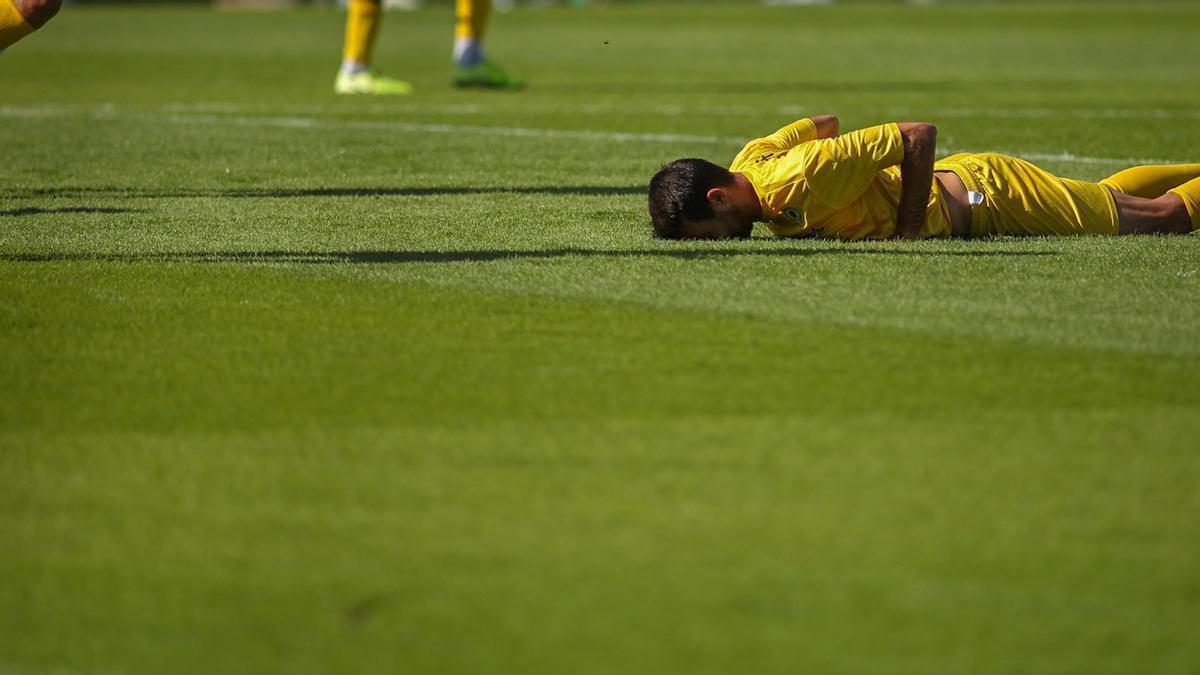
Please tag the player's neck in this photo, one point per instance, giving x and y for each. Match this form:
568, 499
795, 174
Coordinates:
746, 196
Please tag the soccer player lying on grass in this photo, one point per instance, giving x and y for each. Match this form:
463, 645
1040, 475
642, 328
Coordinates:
882, 182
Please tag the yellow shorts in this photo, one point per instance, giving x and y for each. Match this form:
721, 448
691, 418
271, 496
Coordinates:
1021, 199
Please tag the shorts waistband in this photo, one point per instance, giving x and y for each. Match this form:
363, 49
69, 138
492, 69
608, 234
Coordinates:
968, 172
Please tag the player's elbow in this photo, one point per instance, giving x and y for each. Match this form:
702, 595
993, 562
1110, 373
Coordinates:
50, 8
921, 130
827, 126
918, 136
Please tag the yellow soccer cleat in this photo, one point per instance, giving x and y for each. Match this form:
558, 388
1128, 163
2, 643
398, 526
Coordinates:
369, 82
486, 75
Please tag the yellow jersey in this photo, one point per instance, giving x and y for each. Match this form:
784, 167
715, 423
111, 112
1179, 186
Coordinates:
846, 187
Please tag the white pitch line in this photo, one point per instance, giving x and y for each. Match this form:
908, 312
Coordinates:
414, 127
32, 113
680, 110
409, 127
589, 135
1067, 157
1041, 113
1084, 159
108, 112
603, 109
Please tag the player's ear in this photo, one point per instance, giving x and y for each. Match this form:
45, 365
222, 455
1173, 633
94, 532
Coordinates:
717, 197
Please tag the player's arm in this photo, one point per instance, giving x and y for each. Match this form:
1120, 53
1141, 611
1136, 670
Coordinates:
916, 176
827, 125
801, 131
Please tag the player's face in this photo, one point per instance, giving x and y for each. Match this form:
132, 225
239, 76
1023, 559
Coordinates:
720, 226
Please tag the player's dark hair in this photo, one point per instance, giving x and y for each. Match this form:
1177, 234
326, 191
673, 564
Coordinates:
679, 192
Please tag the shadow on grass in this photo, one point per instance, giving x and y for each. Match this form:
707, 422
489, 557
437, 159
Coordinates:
239, 193
402, 257
37, 211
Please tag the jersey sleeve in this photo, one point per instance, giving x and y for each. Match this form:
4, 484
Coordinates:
800, 131
761, 149
839, 170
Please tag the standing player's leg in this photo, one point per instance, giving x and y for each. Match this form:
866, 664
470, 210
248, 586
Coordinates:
19, 18
356, 75
1153, 180
470, 20
471, 67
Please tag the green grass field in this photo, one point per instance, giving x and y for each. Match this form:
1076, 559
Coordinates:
294, 383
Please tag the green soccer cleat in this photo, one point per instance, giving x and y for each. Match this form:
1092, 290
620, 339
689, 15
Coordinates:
486, 75
369, 82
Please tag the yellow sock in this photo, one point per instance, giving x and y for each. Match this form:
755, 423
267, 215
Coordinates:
1151, 181
1190, 193
472, 17
362, 22
13, 25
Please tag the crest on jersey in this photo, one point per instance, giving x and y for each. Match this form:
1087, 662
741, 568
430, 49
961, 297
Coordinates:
794, 215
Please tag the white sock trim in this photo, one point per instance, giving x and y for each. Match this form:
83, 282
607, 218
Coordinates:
468, 52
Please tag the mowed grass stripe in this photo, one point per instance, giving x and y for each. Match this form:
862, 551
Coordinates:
267, 349
589, 482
